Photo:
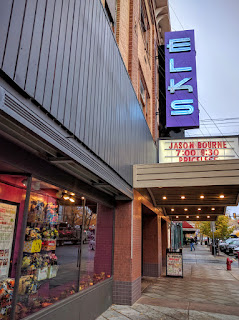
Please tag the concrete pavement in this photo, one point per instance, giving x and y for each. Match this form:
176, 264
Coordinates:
207, 291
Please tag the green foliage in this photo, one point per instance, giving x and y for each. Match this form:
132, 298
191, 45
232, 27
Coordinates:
223, 228
205, 228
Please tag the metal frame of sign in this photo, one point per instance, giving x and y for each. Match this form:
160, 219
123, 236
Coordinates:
179, 252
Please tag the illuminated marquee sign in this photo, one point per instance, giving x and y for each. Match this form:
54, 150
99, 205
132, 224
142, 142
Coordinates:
180, 76
199, 149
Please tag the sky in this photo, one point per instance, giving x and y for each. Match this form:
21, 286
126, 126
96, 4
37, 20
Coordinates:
216, 27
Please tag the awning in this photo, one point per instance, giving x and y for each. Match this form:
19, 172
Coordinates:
190, 191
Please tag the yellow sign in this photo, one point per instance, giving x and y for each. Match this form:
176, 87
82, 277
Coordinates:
32, 246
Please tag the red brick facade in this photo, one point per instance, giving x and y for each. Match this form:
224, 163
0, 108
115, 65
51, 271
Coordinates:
130, 229
137, 53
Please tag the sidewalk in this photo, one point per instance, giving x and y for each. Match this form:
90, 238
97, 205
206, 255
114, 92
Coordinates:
207, 291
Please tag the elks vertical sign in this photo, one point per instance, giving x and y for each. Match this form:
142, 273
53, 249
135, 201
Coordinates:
180, 76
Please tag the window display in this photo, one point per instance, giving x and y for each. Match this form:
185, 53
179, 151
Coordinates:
12, 200
55, 263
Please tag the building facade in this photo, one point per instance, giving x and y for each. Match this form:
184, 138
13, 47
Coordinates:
139, 27
75, 92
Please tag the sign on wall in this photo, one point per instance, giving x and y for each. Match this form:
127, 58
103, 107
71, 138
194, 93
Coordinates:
7, 225
180, 76
198, 149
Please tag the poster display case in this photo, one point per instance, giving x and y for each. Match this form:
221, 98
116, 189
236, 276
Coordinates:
174, 265
7, 226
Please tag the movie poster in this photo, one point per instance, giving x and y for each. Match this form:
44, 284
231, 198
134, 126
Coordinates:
7, 225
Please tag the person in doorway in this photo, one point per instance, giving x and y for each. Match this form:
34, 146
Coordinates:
192, 243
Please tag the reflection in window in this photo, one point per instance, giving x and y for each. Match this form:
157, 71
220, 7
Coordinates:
50, 268
96, 259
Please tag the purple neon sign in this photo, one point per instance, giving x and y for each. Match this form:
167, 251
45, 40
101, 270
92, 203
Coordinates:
181, 82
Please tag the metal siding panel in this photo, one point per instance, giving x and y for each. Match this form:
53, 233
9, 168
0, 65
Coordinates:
52, 56
25, 44
103, 112
106, 138
102, 89
117, 112
59, 59
35, 48
90, 107
113, 113
75, 103
124, 129
14, 36
86, 61
128, 135
72, 63
83, 74
110, 105
120, 151
65, 67
5, 15
45, 51
98, 83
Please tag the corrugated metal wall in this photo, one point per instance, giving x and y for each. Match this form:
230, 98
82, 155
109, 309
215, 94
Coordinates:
64, 55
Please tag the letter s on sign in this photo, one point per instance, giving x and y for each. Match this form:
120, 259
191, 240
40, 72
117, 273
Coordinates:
182, 107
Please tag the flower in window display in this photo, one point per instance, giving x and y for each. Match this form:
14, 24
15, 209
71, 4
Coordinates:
53, 259
46, 234
26, 261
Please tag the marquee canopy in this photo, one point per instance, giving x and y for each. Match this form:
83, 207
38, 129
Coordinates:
190, 191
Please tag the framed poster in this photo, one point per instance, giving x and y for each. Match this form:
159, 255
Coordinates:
7, 226
174, 267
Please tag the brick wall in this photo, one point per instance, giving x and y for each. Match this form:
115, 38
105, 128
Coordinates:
122, 243
104, 238
133, 66
129, 36
128, 245
122, 29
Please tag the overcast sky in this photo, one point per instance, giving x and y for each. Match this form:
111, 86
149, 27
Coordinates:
216, 26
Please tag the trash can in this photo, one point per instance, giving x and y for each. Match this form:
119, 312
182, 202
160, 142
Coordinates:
205, 242
214, 249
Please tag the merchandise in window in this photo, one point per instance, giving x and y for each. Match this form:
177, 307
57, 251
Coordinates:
12, 202
53, 254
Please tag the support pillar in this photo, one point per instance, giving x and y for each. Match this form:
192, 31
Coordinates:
127, 253
150, 246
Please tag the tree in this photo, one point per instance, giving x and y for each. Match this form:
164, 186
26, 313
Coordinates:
223, 228
205, 228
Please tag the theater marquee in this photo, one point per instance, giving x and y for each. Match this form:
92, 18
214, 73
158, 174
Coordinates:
198, 149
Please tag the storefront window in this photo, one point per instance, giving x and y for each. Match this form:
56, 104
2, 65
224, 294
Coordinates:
12, 201
53, 255
96, 261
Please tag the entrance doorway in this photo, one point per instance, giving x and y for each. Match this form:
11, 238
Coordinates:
151, 243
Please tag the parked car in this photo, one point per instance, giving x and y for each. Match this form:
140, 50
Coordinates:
223, 244
231, 246
236, 251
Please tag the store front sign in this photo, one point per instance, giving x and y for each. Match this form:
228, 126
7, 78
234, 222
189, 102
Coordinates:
174, 264
198, 149
180, 76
